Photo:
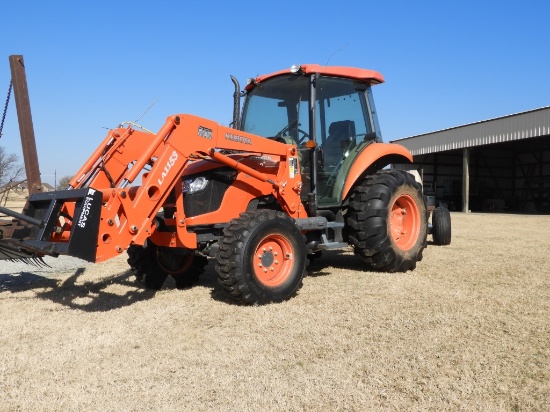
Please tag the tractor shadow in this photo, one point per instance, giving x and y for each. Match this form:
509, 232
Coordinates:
24, 281
110, 293
334, 259
113, 292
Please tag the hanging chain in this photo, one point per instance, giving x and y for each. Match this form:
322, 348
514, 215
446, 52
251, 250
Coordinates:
6, 108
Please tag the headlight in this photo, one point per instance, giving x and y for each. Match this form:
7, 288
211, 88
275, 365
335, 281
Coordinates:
195, 185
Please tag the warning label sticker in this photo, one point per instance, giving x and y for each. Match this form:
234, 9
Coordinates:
292, 167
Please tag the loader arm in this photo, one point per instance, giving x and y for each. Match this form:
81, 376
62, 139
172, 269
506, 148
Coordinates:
114, 198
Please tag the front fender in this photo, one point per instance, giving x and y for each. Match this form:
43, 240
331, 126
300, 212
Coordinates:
377, 156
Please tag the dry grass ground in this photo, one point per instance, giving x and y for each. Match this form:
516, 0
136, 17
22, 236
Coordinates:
467, 330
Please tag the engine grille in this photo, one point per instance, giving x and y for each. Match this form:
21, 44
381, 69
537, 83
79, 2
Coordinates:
210, 198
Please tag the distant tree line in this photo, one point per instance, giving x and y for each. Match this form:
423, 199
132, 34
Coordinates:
64, 182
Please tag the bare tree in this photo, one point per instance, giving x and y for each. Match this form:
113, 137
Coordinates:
10, 169
64, 182
10, 174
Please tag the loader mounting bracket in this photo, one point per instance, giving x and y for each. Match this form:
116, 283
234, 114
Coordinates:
32, 236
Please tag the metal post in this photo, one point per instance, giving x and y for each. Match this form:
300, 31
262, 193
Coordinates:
466, 180
26, 129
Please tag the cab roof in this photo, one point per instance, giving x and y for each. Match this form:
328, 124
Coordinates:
368, 76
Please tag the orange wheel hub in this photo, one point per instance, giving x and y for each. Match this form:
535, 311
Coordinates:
273, 260
404, 222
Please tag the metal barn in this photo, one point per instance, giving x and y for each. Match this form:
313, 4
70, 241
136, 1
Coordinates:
496, 165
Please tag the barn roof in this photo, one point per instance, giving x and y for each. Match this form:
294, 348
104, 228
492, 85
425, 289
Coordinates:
524, 125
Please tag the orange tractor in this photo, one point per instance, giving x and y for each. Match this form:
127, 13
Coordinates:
300, 171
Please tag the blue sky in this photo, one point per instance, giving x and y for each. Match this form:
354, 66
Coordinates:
92, 65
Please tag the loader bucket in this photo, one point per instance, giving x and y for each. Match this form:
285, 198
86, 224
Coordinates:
56, 223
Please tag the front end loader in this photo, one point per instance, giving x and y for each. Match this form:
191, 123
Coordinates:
301, 170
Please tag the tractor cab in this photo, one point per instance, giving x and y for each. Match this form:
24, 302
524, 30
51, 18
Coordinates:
327, 111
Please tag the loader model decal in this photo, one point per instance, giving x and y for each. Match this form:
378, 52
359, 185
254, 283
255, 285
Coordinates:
169, 164
86, 209
205, 132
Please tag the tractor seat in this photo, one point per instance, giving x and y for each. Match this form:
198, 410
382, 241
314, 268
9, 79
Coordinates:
340, 135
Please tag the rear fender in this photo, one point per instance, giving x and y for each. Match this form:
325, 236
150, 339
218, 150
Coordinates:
376, 156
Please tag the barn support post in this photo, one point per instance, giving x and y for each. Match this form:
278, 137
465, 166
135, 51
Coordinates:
466, 180
22, 103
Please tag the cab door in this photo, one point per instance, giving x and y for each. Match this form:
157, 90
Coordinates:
343, 126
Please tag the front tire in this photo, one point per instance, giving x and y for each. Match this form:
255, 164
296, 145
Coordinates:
387, 221
262, 257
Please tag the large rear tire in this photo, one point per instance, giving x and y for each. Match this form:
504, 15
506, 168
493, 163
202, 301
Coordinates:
387, 221
262, 258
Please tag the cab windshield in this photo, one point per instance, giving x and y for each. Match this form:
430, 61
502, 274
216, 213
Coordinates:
278, 108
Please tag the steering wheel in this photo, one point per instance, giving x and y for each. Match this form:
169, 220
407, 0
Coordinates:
289, 126
286, 128
303, 138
